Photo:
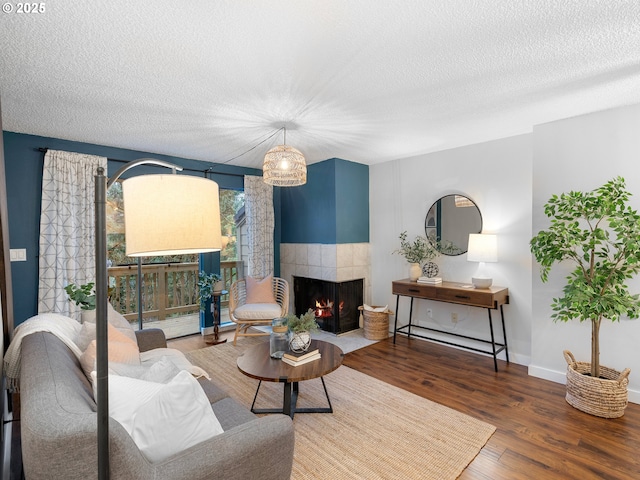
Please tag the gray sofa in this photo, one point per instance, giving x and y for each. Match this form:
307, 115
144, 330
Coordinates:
58, 427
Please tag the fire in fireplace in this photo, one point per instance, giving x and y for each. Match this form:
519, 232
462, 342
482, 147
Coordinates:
335, 303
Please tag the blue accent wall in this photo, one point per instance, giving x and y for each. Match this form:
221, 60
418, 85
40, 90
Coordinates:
331, 208
23, 165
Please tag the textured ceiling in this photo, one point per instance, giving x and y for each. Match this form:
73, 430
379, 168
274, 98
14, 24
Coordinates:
367, 81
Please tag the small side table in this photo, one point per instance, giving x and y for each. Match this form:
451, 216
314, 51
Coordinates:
215, 310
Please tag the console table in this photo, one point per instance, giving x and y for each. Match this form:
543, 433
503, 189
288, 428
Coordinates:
491, 298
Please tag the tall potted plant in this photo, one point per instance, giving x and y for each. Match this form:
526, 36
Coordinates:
599, 233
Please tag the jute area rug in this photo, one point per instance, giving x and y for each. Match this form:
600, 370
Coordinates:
377, 431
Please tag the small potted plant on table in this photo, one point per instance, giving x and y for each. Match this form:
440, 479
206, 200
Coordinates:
300, 329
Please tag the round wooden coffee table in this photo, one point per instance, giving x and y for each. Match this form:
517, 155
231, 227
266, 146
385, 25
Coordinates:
256, 363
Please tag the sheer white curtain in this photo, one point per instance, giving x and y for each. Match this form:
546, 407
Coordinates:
67, 230
258, 206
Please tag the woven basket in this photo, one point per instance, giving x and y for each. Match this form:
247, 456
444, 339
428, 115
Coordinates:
376, 324
603, 397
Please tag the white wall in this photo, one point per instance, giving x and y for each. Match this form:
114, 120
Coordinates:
510, 180
582, 153
496, 175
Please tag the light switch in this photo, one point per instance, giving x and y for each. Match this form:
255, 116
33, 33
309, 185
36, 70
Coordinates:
18, 254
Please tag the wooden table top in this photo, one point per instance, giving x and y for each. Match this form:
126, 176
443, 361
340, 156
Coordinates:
256, 363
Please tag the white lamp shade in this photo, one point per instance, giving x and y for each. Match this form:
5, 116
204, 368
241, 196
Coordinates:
482, 248
171, 215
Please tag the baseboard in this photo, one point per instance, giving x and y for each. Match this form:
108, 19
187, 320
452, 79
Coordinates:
206, 331
561, 377
209, 330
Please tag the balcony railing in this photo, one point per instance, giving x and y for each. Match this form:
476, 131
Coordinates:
168, 289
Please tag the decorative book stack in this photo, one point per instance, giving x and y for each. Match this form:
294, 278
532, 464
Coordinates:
296, 359
430, 280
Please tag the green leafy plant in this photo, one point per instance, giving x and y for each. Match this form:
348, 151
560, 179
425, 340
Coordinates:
304, 323
599, 233
206, 281
84, 295
420, 250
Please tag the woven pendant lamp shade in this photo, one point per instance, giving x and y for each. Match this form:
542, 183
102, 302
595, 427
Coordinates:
284, 166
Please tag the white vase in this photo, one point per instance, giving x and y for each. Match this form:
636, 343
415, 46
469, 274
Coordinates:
414, 272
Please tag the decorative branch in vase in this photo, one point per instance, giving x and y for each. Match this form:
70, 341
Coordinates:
416, 253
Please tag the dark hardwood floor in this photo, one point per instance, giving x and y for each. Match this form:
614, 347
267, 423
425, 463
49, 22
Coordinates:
538, 436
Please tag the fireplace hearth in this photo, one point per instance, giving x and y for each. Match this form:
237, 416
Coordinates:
335, 303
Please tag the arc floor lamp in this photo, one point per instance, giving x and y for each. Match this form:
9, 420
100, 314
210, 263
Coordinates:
164, 215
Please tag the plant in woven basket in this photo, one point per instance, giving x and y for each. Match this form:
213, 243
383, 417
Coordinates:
598, 233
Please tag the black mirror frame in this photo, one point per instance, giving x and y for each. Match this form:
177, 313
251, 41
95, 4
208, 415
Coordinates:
432, 221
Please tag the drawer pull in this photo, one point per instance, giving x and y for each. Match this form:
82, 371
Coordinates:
414, 290
466, 297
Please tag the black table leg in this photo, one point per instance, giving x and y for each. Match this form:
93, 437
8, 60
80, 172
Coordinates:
290, 399
493, 343
395, 323
504, 334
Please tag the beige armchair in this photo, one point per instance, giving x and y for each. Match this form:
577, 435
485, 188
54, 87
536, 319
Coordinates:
246, 315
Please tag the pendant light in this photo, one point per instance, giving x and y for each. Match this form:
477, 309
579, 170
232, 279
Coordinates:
284, 166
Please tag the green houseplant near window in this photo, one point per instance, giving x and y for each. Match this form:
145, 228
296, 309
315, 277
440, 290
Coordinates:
207, 284
82, 295
600, 234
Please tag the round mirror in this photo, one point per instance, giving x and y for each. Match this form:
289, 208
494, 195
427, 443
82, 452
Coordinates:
449, 222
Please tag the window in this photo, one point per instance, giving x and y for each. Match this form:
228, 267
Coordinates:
169, 294
169, 283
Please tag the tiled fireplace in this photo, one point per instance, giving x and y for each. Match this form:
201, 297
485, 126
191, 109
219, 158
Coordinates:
335, 304
333, 263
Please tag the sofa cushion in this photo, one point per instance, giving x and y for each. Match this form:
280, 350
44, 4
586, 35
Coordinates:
120, 349
152, 413
257, 311
114, 318
213, 392
231, 413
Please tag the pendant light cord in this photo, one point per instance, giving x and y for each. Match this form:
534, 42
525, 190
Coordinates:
254, 147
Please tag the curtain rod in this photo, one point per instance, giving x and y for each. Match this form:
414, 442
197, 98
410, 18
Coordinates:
205, 172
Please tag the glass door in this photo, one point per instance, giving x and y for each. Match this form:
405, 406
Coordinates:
168, 283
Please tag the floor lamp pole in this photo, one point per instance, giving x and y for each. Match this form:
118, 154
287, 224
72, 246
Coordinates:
102, 347
140, 306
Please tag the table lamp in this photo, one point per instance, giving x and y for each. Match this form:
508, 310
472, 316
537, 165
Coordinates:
482, 248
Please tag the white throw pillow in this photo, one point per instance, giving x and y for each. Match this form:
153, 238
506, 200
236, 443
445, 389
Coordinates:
162, 419
161, 371
176, 357
88, 333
